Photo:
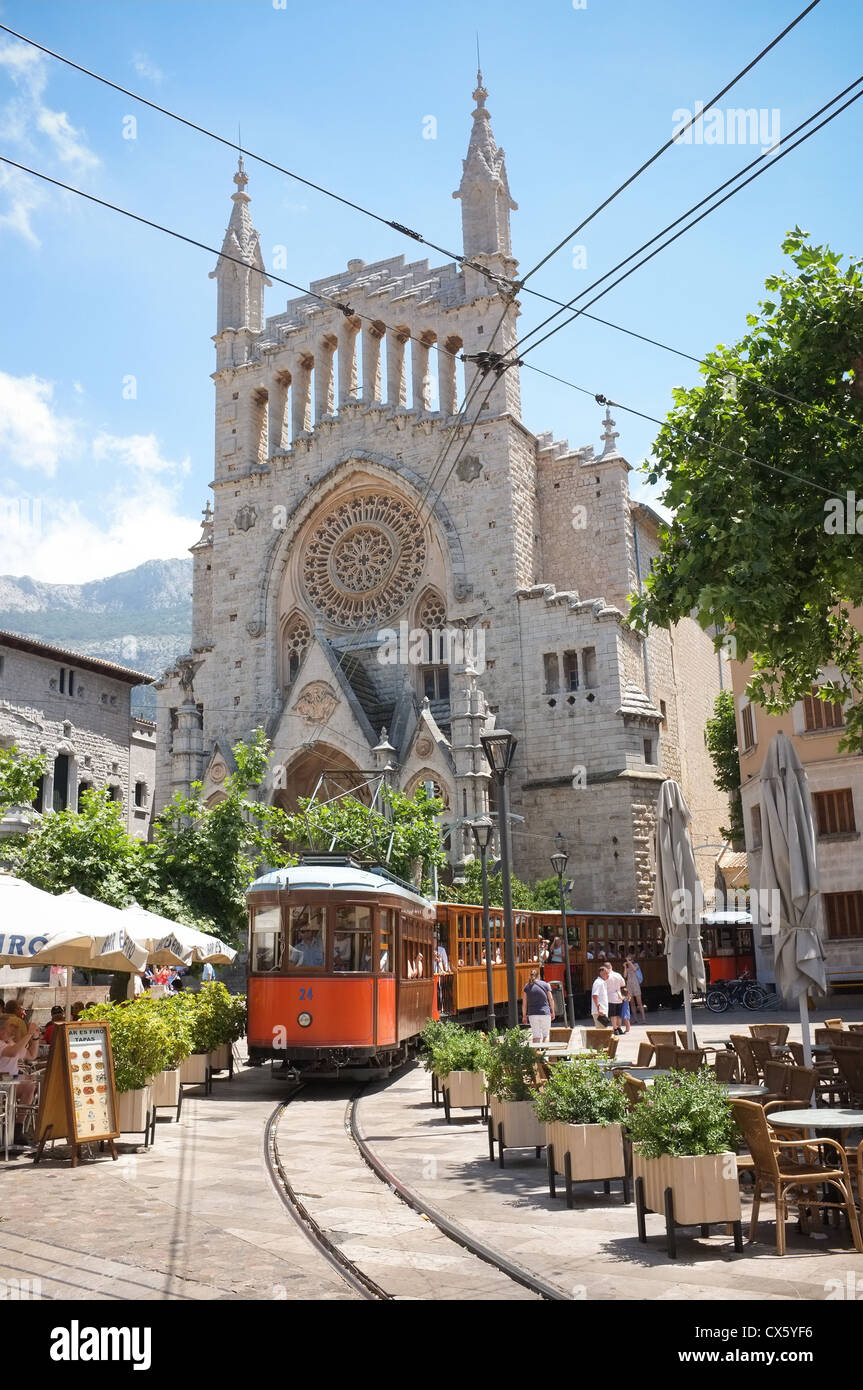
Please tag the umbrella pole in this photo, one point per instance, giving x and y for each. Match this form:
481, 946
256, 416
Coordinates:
68, 992
687, 995
804, 1029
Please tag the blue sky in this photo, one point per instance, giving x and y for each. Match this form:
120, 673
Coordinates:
97, 474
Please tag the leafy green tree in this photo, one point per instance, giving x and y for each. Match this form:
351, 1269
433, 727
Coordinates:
546, 894
88, 849
757, 463
469, 890
721, 733
202, 858
409, 833
19, 778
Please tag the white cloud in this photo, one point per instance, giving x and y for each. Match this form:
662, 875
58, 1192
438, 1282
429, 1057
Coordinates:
134, 513
32, 435
145, 68
30, 126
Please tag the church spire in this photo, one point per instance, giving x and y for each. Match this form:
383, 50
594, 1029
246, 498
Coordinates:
241, 291
484, 191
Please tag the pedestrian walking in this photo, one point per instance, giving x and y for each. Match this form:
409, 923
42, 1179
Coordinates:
537, 1007
634, 980
615, 983
599, 996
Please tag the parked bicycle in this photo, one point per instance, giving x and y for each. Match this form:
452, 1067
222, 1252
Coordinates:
730, 994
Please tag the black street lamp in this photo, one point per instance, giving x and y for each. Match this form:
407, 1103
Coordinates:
482, 831
558, 863
499, 747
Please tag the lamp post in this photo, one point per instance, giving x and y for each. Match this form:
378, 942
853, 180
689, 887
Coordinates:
499, 747
482, 829
558, 863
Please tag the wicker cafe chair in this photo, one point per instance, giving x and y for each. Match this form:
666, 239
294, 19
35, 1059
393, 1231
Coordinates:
665, 1056
850, 1064
645, 1055
662, 1037
785, 1082
762, 1052
800, 1171
748, 1066
774, 1033
844, 1040
688, 1058
633, 1089
834, 1024
725, 1066
600, 1040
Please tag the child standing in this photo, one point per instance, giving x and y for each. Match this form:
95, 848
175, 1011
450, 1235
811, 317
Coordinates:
625, 1012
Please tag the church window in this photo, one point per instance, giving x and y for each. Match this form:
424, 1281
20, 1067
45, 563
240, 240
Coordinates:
432, 612
664, 712
435, 682
570, 670
588, 666
232, 617
62, 680
649, 753
551, 672
140, 794
61, 782
297, 638
362, 563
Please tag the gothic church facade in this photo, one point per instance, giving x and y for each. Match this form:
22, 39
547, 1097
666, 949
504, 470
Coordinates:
354, 510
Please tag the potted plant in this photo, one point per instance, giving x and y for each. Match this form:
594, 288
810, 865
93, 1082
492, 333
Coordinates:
458, 1058
511, 1080
139, 1049
583, 1110
195, 1069
435, 1030
684, 1162
173, 1019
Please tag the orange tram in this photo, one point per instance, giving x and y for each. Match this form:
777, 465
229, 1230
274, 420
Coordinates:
346, 964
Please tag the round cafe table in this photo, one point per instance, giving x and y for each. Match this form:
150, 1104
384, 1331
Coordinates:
835, 1117
738, 1090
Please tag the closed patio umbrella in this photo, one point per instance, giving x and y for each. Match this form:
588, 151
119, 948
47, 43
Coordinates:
789, 871
170, 943
678, 897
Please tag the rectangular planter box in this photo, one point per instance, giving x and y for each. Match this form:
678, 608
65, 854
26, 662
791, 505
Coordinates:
705, 1186
193, 1071
466, 1088
521, 1128
133, 1110
595, 1151
220, 1059
166, 1087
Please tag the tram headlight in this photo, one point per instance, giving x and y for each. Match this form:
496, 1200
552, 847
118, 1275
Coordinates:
304, 1020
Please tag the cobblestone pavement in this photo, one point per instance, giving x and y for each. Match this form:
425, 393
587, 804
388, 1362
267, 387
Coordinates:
195, 1217
593, 1251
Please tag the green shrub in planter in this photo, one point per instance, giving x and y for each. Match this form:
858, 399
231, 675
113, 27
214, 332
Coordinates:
681, 1114
434, 1032
509, 1065
173, 1019
580, 1092
140, 1042
458, 1049
214, 1016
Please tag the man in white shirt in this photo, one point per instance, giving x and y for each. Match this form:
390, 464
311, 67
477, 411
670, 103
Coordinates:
614, 984
599, 997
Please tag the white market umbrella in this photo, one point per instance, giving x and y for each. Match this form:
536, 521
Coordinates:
27, 917
170, 942
79, 931
678, 897
789, 871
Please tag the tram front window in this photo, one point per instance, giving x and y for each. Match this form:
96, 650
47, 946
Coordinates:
352, 941
265, 938
306, 939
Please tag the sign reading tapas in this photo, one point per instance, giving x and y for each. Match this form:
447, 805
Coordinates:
91, 1082
78, 1101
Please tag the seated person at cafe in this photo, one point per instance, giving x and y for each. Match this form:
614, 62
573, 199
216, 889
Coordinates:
12, 1053
56, 1017
14, 1015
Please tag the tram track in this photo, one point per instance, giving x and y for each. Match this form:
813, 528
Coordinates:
503, 1274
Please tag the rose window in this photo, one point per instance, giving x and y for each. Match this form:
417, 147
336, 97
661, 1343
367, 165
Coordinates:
432, 612
363, 562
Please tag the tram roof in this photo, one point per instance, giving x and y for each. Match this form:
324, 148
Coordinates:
336, 878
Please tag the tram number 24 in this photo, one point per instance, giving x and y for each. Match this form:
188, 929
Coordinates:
306, 992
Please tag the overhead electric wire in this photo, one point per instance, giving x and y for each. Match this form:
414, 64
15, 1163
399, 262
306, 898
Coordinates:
259, 158
759, 159
653, 158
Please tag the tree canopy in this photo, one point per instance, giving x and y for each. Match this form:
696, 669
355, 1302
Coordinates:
762, 466
721, 735
19, 778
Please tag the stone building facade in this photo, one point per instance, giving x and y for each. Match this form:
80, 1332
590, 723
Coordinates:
76, 710
815, 728
354, 510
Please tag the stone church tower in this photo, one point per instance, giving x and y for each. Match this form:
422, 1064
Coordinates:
375, 584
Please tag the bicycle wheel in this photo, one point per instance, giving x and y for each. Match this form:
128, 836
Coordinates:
754, 997
716, 1000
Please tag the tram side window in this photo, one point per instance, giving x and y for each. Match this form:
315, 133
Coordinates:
352, 939
265, 939
307, 938
386, 955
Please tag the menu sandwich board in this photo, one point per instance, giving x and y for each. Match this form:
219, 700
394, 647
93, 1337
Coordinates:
79, 1096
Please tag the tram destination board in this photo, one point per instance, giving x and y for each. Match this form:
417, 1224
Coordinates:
79, 1094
